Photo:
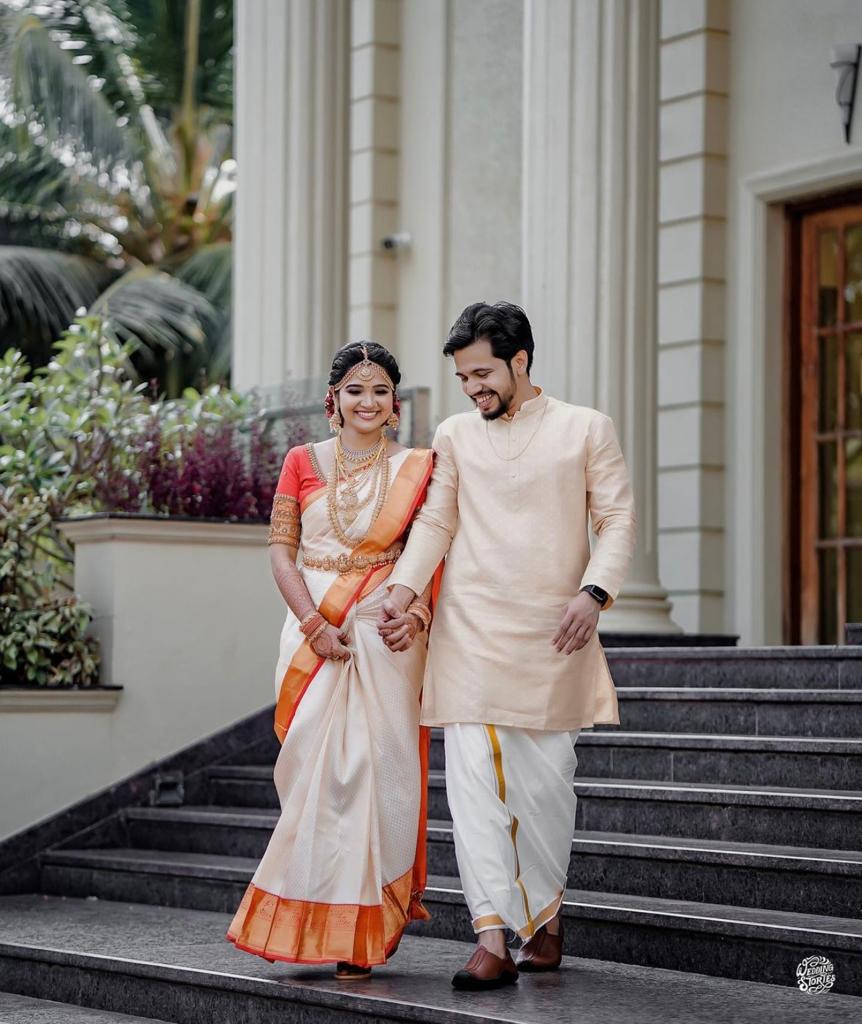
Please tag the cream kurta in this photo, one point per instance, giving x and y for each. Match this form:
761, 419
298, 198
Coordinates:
516, 533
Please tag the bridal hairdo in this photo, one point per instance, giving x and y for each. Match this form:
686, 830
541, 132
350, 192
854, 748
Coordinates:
351, 354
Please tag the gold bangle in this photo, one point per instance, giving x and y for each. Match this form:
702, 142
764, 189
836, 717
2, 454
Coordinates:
321, 629
421, 611
312, 623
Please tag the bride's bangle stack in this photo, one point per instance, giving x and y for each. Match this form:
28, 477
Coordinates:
312, 625
422, 613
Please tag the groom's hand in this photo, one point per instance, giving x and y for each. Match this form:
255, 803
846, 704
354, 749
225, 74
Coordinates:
392, 619
578, 624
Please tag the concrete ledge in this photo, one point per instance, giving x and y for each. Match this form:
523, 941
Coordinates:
104, 527
45, 698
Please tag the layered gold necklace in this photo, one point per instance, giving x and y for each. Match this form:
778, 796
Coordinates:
356, 479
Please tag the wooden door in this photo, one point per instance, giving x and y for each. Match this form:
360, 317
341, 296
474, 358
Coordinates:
830, 423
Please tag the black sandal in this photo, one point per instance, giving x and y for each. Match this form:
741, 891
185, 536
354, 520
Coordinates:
346, 971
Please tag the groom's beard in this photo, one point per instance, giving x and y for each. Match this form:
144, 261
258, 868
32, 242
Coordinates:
503, 403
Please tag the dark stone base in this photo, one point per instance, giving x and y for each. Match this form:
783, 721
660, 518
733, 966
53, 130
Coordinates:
610, 639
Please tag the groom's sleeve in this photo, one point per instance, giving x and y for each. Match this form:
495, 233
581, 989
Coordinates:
434, 524
612, 509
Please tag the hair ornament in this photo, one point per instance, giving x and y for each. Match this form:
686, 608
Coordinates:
366, 372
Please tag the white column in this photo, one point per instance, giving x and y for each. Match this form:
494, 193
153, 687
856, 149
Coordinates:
374, 114
590, 239
290, 240
691, 305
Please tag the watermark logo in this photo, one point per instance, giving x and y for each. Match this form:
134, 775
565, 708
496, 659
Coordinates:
815, 974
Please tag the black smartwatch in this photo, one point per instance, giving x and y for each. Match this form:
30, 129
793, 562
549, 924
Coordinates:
596, 592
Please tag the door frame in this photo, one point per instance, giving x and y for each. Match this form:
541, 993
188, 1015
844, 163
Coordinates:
755, 503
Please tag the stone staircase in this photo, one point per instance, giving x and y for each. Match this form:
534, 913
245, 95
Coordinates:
719, 833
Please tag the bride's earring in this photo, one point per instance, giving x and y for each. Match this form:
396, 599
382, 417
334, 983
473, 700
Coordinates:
332, 413
395, 418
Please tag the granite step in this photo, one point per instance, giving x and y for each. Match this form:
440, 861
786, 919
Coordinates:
744, 760
786, 816
723, 941
679, 709
810, 762
128, 957
726, 941
760, 814
15, 1009
740, 711
713, 755
745, 874
807, 668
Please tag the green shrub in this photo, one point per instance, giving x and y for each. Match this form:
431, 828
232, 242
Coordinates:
80, 436
42, 633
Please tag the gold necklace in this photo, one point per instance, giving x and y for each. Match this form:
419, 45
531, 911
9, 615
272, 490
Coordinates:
511, 458
349, 484
364, 455
348, 504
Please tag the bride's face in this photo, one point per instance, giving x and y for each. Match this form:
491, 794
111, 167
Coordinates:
367, 406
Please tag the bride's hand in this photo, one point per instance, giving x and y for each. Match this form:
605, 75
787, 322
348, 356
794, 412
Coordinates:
330, 644
399, 633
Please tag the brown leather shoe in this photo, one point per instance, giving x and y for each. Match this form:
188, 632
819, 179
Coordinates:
485, 970
543, 952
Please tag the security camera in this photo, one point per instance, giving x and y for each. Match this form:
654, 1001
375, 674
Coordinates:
400, 240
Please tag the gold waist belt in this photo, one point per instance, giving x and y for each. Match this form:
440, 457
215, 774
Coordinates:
346, 564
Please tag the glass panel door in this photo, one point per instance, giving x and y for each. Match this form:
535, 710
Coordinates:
830, 424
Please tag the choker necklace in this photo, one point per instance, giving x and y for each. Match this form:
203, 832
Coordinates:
362, 454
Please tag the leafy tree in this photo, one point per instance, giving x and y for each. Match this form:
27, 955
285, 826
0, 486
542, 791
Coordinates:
116, 178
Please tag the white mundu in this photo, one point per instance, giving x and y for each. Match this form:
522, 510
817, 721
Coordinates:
497, 778
509, 505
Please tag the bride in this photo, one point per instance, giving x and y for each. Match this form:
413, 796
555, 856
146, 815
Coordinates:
344, 871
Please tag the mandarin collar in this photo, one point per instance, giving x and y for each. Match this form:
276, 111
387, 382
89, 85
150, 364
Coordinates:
528, 408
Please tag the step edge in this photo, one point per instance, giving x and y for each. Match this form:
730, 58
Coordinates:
573, 899
288, 990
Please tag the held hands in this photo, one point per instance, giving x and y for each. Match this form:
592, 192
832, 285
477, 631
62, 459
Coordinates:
578, 624
396, 626
399, 633
331, 644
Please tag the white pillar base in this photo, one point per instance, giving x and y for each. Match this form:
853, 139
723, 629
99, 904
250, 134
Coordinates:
640, 608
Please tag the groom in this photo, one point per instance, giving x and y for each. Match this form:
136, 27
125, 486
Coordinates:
515, 667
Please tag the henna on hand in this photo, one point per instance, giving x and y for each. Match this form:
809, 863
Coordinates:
330, 644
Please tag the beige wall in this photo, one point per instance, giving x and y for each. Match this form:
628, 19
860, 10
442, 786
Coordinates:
189, 619
459, 175
785, 142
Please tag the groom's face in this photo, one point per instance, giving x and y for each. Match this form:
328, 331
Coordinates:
485, 379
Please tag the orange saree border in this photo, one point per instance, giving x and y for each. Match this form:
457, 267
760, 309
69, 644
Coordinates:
406, 493
300, 931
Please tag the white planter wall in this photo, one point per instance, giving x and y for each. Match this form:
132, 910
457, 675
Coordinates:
188, 617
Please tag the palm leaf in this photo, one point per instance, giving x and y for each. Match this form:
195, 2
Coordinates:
210, 271
41, 290
57, 94
156, 312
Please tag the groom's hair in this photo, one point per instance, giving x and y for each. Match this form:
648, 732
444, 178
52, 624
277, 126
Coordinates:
504, 325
